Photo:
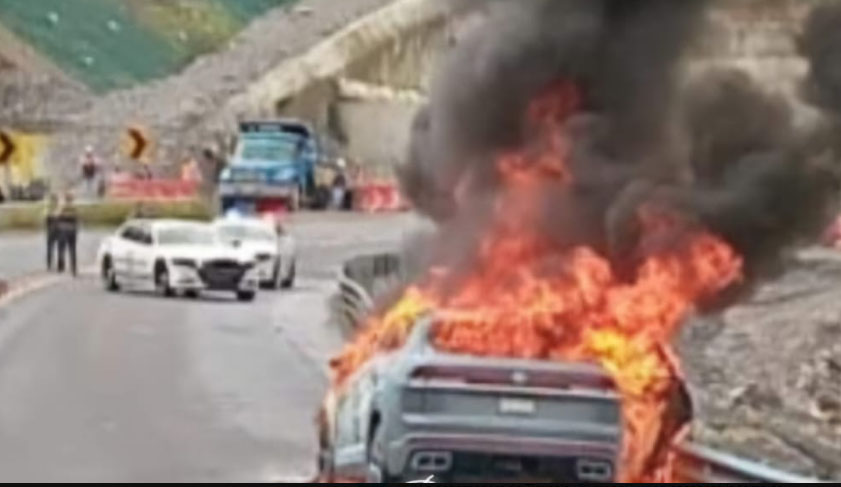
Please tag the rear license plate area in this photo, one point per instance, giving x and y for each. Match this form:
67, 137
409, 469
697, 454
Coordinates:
517, 406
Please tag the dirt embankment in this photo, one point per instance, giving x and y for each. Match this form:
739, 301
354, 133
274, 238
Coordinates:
170, 107
766, 374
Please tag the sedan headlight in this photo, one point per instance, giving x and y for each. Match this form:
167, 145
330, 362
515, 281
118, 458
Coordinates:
191, 263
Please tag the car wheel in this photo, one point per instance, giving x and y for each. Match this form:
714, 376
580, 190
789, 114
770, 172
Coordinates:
192, 294
162, 284
109, 276
326, 471
376, 472
246, 296
290, 279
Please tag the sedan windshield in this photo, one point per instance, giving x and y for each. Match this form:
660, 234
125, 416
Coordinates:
231, 233
186, 235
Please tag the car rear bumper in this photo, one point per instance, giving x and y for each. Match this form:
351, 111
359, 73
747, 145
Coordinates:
407, 456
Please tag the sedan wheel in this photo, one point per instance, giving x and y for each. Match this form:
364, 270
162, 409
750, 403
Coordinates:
246, 296
376, 472
109, 277
162, 285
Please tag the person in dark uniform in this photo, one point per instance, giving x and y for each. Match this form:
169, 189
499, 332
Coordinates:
67, 228
50, 214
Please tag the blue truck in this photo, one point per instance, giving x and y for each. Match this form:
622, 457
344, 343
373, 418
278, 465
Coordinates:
272, 168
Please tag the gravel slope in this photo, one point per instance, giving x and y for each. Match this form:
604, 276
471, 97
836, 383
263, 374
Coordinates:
282, 33
766, 375
175, 104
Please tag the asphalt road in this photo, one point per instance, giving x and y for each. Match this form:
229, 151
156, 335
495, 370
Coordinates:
131, 387
23, 254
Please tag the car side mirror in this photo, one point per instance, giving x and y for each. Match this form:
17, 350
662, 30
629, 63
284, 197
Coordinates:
236, 244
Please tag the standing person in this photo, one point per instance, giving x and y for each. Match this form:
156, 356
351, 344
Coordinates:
50, 214
339, 185
67, 227
190, 171
144, 172
211, 166
89, 167
214, 162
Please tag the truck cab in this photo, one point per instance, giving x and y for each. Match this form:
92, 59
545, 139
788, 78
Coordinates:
272, 168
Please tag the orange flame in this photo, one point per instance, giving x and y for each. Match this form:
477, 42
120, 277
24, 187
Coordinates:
528, 297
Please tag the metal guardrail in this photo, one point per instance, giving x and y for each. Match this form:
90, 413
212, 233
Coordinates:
699, 464
359, 280
694, 463
354, 301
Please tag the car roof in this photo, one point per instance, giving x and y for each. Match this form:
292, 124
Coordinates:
165, 223
419, 342
246, 220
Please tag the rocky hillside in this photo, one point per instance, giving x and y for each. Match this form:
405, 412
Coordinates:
168, 106
766, 375
108, 44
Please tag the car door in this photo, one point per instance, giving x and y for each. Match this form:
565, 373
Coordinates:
143, 255
119, 250
134, 245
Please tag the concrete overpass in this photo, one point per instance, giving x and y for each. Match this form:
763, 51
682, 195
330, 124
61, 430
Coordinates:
363, 86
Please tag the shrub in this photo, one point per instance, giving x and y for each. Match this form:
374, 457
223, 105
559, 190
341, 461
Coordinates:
104, 214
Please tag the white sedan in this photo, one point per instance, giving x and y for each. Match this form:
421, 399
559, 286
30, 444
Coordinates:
268, 243
173, 256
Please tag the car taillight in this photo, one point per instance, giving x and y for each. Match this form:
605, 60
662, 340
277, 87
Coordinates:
438, 374
515, 377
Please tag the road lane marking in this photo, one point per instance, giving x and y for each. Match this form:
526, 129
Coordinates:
24, 286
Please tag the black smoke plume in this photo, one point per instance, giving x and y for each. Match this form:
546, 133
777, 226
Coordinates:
718, 149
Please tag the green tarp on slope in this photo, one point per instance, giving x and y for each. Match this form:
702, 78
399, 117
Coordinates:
108, 44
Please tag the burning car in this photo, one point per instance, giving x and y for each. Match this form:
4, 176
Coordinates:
418, 411
590, 195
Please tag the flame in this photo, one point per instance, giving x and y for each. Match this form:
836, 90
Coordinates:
529, 297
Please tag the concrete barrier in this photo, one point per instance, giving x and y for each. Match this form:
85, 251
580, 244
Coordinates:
330, 59
160, 189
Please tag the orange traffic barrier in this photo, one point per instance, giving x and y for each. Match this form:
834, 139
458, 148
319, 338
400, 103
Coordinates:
832, 236
378, 197
156, 189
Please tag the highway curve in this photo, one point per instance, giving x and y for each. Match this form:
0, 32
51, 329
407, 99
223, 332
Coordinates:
132, 387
